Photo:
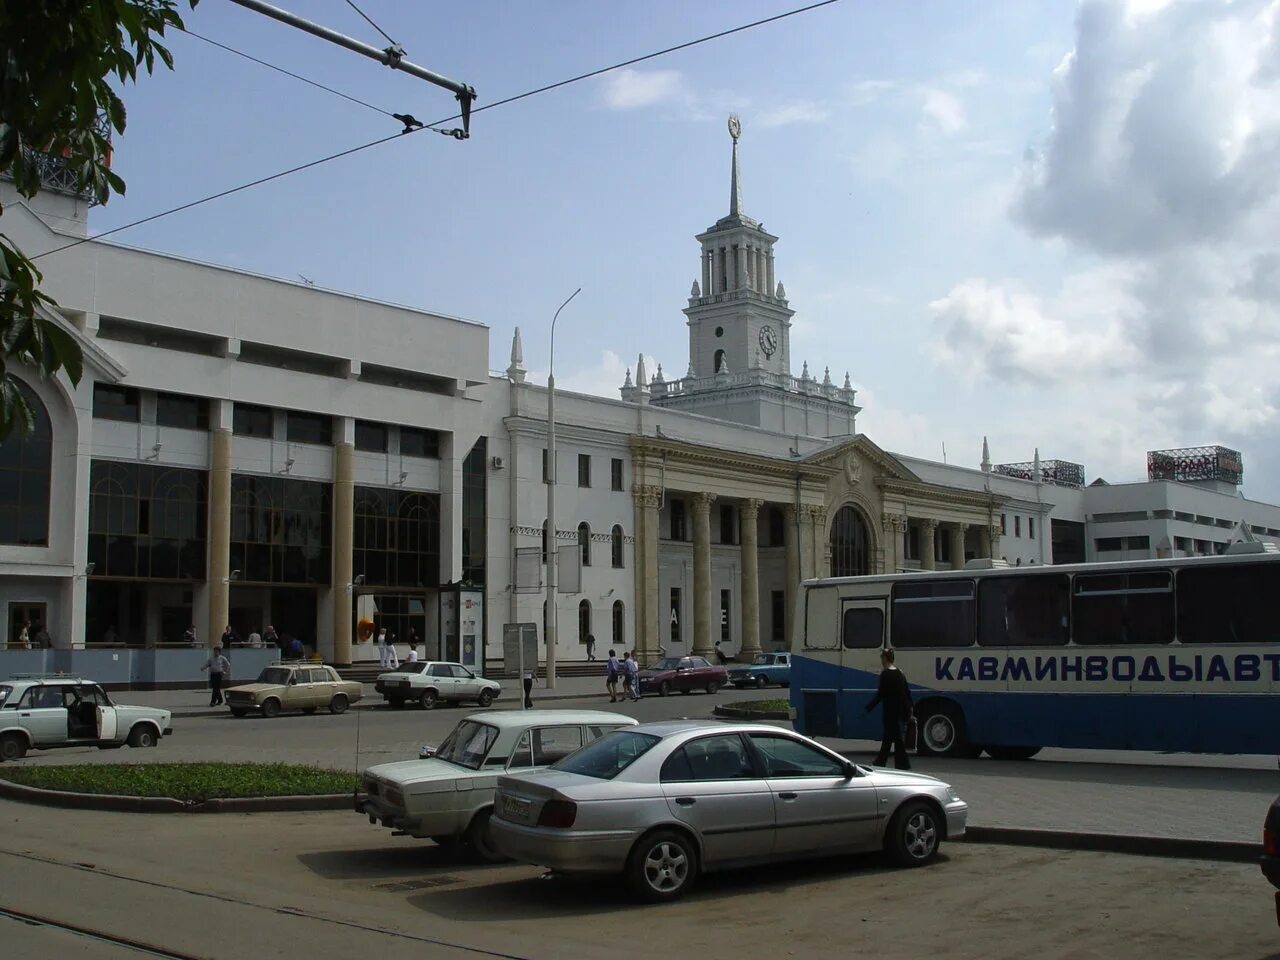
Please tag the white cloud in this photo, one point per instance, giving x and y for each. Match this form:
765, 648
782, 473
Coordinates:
944, 110
629, 89
800, 111
605, 377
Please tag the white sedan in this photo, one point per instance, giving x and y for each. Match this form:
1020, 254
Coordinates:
429, 682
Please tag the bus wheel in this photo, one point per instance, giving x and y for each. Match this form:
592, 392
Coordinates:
941, 730
1012, 753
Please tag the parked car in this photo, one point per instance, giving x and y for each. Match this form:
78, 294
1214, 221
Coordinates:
661, 803
684, 674
765, 669
431, 681
450, 795
291, 685
45, 712
1271, 850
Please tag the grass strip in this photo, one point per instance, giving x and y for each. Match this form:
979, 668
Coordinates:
185, 781
761, 706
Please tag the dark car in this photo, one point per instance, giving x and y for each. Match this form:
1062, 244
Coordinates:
1271, 850
684, 674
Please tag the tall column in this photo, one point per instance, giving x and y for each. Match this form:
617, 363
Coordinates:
648, 622
984, 542
769, 286
343, 546
706, 273
749, 593
928, 539
993, 541
820, 565
957, 545
219, 531
892, 542
702, 619
792, 582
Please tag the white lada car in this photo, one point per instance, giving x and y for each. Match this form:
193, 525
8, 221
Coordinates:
449, 796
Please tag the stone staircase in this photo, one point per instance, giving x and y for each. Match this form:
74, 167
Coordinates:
368, 673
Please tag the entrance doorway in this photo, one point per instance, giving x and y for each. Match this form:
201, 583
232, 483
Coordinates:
293, 614
33, 616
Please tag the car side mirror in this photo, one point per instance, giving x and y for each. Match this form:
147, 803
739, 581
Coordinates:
292, 681
850, 769
427, 752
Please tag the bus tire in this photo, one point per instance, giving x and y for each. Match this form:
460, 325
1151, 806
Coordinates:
1012, 753
941, 730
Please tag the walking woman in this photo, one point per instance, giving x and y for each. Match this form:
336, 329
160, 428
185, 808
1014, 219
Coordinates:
895, 694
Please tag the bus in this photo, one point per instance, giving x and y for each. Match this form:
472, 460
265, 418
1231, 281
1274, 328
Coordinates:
1164, 655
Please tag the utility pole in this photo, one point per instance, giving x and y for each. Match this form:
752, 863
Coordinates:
392, 56
552, 556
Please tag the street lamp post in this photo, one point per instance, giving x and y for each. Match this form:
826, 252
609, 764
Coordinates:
552, 566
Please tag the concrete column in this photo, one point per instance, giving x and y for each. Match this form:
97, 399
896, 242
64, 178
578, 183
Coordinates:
792, 582
928, 537
343, 524
770, 287
702, 619
984, 541
892, 542
958, 532
648, 622
749, 593
706, 273
819, 560
219, 532
993, 541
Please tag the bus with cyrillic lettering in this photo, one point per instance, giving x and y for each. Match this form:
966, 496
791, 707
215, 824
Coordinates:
1171, 655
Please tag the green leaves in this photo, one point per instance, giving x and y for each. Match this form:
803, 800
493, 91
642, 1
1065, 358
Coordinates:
186, 781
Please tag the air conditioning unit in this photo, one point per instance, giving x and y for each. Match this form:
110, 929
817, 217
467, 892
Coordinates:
497, 463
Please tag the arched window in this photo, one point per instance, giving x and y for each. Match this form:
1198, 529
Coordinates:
719, 360
619, 624
584, 542
849, 544
26, 473
617, 547
584, 620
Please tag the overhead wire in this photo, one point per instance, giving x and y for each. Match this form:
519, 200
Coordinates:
432, 126
371, 23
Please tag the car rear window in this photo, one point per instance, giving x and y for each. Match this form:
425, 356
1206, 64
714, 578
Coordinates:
607, 757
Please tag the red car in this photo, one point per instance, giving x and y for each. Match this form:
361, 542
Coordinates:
683, 674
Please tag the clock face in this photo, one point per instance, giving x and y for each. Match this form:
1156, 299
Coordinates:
768, 340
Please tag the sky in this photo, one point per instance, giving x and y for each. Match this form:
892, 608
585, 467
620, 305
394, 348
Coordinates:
1050, 223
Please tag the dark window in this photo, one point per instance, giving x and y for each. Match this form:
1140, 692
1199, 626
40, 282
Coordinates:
1004, 525
778, 530
371, 437
911, 543
26, 473
1024, 611
1031, 528
111, 402
281, 530
1109, 544
679, 525
615, 474
584, 470
309, 428
187, 413
724, 615
848, 544
1017, 525
1123, 608
1137, 543
721, 757
584, 620
396, 537
475, 495
863, 628
675, 615
617, 547
784, 757
1228, 604
619, 623
419, 443
250, 421
584, 543
728, 528
778, 607
939, 613
147, 521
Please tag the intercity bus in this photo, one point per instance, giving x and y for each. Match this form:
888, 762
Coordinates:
1169, 655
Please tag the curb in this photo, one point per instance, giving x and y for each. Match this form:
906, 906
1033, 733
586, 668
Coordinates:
118, 804
730, 712
1226, 851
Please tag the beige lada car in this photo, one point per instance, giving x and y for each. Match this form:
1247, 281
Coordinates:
294, 686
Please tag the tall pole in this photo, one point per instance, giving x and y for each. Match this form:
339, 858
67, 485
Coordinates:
552, 566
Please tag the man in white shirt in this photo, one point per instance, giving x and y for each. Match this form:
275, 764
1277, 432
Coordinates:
219, 668
413, 653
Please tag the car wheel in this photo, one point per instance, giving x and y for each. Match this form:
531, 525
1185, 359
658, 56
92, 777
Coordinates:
143, 735
485, 698
662, 866
1012, 753
12, 747
479, 840
713, 686
762, 681
339, 703
941, 731
914, 834
238, 711
271, 707
396, 703
664, 688
428, 699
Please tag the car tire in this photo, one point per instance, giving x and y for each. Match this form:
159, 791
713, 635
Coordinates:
479, 841
339, 703
143, 735
915, 834
663, 866
713, 686
485, 698
941, 732
664, 688
238, 711
762, 681
395, 703
1012, 753
429, 699
12, 747
271, 707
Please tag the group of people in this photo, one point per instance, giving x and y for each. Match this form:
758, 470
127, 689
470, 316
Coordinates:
33, 637
291, 648
625, 671
388, 657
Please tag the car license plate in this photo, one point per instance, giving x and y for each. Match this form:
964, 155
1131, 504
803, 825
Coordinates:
514, 808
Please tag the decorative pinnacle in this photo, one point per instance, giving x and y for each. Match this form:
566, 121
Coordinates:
735, 185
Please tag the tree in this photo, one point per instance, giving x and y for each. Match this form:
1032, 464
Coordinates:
58, 59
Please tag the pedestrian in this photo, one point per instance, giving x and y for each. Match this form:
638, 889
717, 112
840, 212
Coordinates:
230, 638
528, 688
40, 637
720, 657
294, 649
895, 694
630, 677
413, 639
255, 638
190, 637
611, 677
270, 637
393, 658
219, 668
384, 658
591, 647
24, 635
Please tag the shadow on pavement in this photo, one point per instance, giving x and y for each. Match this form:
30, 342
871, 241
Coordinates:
380, 862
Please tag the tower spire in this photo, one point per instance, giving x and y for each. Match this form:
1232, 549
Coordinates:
735, 185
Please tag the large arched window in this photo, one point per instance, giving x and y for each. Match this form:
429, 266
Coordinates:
619, 624
584, 620
584, 542
719, 360
617, 547
25, 475
849, 542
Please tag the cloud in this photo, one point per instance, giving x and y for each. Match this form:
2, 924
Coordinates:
944, 110
799, 111
628, 89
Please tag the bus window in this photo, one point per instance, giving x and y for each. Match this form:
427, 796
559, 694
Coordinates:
863, 627
1229, 604
938, 613
1024, 611
1123, 608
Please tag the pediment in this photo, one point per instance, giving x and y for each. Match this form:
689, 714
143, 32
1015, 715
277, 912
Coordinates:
851, 455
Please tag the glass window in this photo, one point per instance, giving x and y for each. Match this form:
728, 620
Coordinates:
1031, 528
607, 757
584, 470
619, 623
1024, 611
939, 613
595, 732
475, 487
1228, 604
555, 743
615, 474
728, 526
778, 612
778, 530
1109, 544
849, 543
460, 672
584, 543
26, 475
186, 413
415, 442
468, 744
863, 628
251, 421
616, 544
111, 402
1004, 525
784, 757
584, 620
371, 437
281, 529
396, 537
147, 521
309, 428
439, 670
675, 615
679, 526
698, 662
1123, 608
721, 757
522, 755
1017, 525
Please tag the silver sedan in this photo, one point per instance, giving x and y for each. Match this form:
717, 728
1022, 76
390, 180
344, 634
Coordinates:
663, 802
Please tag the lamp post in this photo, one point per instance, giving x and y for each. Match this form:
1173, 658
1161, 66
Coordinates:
550, 629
